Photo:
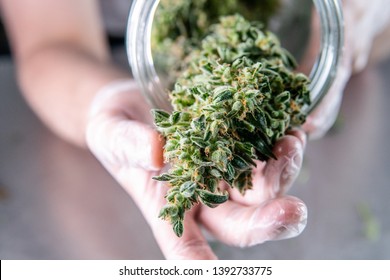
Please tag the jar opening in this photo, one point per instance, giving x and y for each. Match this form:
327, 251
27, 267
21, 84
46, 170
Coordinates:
325, 26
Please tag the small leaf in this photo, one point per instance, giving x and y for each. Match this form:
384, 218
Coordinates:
163, 124
175, 117
168, 211
198, 124
199, 141
230, 172
212, 184
160, 116
215, 172
206, 164
214, 199
248, 159
247, 125
217, 116
184, 116
243, 181
244, 125
214, 128
282, 97
219, 157
184, 156
246, 147
170, 196
207, 67
222, 93
237, 106
187, 189
289, 60
207, 134
163, 177
250, 105
263, 147
262, 121
178, 228
239, 163
171, 145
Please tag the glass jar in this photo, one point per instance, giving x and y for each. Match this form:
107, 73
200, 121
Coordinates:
322, 74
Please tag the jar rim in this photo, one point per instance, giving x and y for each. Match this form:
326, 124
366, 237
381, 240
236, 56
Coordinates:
322, 75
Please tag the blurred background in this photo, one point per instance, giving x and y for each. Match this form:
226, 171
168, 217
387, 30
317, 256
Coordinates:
58, 202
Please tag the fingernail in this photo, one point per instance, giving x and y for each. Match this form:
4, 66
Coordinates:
274, 225
291, 169
287, 231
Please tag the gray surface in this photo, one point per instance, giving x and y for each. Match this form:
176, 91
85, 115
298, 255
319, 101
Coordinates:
57, 202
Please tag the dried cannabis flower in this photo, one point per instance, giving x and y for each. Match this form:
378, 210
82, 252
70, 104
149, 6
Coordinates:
236, 98
179, 26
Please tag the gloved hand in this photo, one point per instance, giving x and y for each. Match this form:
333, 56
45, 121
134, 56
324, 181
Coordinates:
121, 136
363, 22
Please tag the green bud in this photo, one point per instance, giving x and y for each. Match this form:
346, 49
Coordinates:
234, 95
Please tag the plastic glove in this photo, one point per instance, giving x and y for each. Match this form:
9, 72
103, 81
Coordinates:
363, 22
120, 135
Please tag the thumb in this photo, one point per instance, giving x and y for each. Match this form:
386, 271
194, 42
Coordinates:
119, 142
115, 137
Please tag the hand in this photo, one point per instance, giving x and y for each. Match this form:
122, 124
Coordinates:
363, 22
120, 135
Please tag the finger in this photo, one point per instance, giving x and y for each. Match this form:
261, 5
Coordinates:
118, 141
283, 172
276, 176
116, 130
244, 226
150, 199
192, 245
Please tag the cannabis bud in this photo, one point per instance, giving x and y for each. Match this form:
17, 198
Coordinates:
236, 97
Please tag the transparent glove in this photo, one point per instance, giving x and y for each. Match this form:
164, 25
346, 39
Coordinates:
364, 20
121, 136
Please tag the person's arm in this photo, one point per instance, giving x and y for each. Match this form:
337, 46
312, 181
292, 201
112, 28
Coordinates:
62, 59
